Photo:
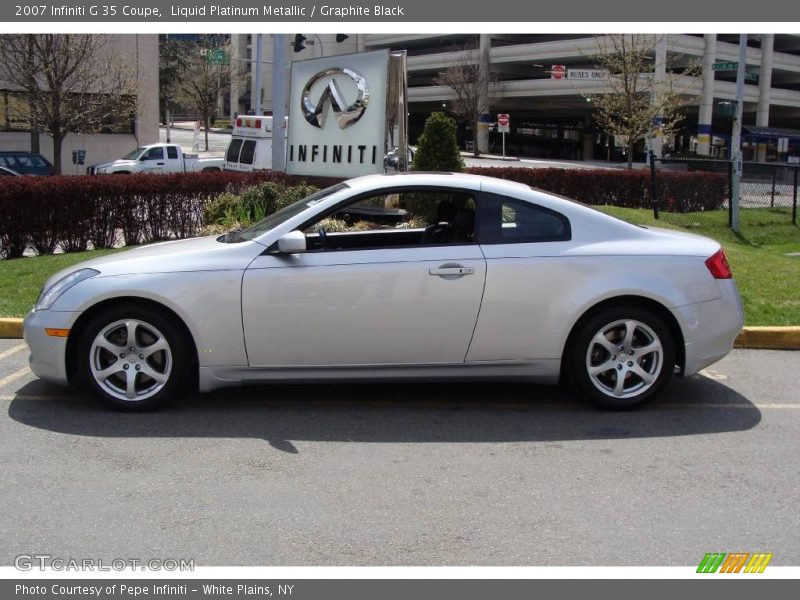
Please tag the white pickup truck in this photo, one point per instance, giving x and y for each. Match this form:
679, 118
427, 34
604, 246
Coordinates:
157, 158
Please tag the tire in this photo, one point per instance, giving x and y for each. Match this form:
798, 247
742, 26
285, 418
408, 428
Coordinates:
136, 380
621, 357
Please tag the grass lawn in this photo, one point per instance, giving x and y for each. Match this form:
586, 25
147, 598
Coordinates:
21, 279
768, 280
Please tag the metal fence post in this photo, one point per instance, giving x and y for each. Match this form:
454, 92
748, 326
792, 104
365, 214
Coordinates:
730, 193
794, 198
653, 189
772, 198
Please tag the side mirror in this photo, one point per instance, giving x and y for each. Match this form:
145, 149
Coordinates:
292, 242
143, 158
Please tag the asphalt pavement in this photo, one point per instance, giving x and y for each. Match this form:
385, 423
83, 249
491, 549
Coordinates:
402, 474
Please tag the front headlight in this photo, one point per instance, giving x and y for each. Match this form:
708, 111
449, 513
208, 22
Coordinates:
50, 295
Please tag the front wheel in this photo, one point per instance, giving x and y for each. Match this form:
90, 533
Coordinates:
133, 358
621, 357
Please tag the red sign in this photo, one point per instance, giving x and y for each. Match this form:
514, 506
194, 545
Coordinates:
558, 72
503, 123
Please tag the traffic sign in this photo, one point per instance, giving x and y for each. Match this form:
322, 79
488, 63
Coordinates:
558, 72
725, 66
503, 123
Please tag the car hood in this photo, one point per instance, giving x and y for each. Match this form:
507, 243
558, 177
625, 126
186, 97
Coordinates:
195, 254
116, 163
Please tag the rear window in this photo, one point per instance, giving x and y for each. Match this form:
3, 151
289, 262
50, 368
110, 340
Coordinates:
172, 152
32, 161
248, 152
233, 150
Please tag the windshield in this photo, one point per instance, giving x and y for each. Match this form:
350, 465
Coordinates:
133, 154
283, 215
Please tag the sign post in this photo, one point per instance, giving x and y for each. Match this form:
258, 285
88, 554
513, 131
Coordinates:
504, 127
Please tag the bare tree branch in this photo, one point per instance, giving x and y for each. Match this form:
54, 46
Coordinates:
73, 83
636, 106
468, 79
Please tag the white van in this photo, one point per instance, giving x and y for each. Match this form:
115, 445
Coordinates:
250, 148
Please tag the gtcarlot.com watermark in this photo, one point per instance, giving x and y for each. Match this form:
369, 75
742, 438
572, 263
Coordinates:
47, 562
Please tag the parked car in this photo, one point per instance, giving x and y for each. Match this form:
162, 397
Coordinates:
26, 163
483, 278
8, 172
157, 158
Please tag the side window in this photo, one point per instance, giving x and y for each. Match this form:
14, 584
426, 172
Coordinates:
511, 221
248, 152
233, 150
172, 152
395, 219
155, 153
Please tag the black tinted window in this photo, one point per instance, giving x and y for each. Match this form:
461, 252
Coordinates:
172, 152
233, 151
511, 221
155, 153
248, 152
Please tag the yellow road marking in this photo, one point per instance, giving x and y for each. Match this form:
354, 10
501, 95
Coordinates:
13, 350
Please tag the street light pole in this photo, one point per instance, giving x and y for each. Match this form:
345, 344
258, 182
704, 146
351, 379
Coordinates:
736, 135
259, 56
278, 102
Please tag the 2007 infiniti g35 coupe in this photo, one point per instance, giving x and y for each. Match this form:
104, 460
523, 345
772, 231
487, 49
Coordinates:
413, 277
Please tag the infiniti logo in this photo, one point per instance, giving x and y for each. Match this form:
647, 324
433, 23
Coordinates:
346, 114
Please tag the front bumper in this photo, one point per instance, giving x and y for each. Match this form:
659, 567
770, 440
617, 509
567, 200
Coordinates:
710, 328
48, 358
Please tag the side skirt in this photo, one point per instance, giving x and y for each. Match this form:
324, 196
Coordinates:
539, 371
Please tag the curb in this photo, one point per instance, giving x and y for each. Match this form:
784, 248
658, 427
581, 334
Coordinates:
11, 328
763, 338
769, 338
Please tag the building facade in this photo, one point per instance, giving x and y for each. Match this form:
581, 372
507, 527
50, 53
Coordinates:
551, 118
140, 53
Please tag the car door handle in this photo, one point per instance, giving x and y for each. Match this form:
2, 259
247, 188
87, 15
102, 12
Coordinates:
160, 164
451, 271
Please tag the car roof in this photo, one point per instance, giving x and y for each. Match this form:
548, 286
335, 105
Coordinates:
444, 179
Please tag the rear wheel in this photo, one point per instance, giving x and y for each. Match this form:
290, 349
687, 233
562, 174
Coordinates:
133, 358
621, 357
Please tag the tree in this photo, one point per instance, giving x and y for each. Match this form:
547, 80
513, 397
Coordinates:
437, 148
73, 84
637, 105
205, 75
472, 82
171, 65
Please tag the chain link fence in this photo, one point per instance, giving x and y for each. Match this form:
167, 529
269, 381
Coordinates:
694, 192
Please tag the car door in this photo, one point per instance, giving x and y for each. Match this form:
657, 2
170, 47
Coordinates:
529, 280
153, 160
174, 160
375, 287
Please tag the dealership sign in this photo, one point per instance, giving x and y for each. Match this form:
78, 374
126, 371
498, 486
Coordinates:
338, 114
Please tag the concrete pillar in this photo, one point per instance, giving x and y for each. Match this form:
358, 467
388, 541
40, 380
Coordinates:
707, 96
764, 86
588, 138
657, 142
485, 118
236, 69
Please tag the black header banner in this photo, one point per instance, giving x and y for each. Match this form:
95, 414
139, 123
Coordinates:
401, 11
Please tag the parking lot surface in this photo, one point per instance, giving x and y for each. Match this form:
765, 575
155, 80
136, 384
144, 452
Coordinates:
402, 474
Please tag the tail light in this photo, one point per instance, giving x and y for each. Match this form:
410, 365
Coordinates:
718, 265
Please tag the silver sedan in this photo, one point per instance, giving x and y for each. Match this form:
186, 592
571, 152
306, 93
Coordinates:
401, 277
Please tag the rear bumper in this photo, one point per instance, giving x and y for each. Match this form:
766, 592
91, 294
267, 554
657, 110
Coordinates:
48, 354
710, 328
